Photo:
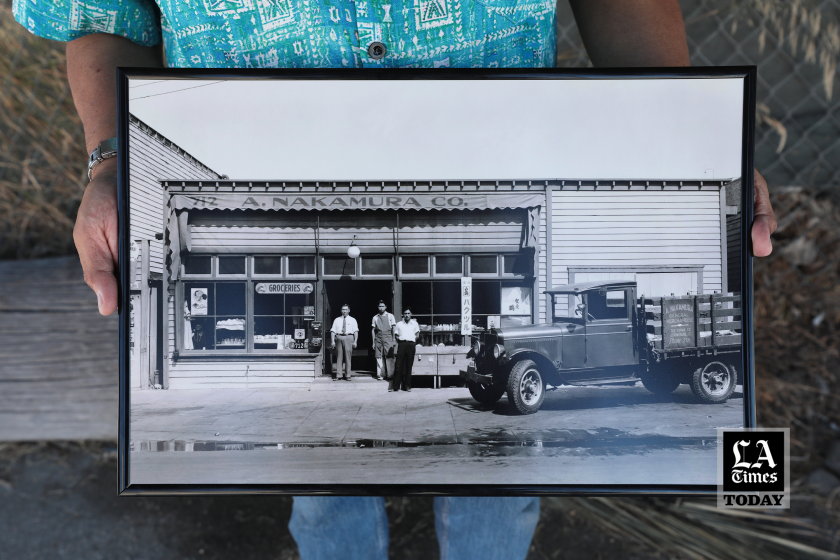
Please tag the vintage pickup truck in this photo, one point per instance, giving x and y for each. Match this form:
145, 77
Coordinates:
611, 336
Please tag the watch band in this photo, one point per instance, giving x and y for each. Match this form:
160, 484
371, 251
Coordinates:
105, 150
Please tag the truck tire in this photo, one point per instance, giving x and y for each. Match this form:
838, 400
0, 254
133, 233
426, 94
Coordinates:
660, 383
713, 383
485, 394
525, 388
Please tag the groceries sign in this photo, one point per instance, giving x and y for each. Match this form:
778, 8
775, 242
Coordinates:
285, 288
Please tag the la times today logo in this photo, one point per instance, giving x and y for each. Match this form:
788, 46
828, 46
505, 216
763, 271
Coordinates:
754, 468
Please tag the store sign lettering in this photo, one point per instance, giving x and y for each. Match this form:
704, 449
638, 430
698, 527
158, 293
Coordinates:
285, 288
335, 202
466, 305
369, 201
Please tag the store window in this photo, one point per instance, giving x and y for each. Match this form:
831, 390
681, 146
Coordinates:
231, 266
281, 321
198, 265
255, 314
301, 266
484, 264
339, 266
449, 264
214, 315
377, 266
519, 265
268, 266
435, 304
414, 265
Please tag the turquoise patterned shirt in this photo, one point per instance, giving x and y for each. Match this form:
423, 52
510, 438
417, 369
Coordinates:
313, 33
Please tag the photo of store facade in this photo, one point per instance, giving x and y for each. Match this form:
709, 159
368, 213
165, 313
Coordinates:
257, 271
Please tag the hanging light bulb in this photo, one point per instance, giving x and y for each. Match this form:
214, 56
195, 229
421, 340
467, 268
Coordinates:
353, 252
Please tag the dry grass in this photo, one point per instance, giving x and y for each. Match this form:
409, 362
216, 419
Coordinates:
42, 153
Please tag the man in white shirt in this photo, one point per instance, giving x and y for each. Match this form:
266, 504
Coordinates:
345, 336
383, 341
405, 332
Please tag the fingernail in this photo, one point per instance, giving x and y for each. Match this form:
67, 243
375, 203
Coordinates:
99, 301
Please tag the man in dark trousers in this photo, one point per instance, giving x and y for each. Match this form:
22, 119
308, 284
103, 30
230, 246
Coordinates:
406, 334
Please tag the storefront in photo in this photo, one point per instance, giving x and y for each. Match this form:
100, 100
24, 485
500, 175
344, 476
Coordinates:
257, 272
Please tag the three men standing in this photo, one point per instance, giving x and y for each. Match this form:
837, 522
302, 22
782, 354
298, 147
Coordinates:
345, 334
406, 334
383, 341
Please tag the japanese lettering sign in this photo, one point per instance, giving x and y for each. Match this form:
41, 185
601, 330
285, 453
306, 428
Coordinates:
466, 305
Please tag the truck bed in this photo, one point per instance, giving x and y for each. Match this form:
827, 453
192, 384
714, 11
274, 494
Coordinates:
691, 324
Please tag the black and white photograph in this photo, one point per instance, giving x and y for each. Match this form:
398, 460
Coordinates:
531, 281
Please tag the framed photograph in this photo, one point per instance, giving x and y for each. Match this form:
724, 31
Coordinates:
486, 282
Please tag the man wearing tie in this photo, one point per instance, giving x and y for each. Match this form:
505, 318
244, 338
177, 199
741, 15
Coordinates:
345, 336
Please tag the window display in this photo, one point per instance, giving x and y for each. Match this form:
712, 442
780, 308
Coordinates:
436, 306
245, 316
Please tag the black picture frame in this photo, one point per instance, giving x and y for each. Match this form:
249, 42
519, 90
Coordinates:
745, 73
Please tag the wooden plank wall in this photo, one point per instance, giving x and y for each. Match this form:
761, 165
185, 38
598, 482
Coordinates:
541, 271
185, 374
637, 228
58, 357
153, 158
733, 252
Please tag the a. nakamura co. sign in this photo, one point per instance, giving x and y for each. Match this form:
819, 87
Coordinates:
360, 201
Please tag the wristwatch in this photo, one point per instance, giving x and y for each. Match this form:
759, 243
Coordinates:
105, 150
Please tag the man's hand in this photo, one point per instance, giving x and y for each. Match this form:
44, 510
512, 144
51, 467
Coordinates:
92, 62
95, 235
764, 220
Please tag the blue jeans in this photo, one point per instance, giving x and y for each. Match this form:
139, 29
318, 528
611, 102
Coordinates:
351, 528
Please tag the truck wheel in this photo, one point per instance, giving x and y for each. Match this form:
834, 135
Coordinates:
714, 383
660, 383
525, 388
485, 394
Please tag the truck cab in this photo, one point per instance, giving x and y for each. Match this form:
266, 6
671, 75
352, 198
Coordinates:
591, 338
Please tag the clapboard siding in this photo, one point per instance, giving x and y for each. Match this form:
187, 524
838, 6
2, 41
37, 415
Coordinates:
197, 375
542, 271
224, 383
733, 252
150, 161
629, 229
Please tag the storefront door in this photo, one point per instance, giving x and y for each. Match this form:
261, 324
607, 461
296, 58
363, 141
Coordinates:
363, 297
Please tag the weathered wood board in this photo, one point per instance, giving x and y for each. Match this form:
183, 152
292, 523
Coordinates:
58, 357
678, 322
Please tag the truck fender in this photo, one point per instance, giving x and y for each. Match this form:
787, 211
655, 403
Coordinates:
547, 368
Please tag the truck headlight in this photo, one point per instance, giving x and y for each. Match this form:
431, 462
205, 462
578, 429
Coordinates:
476, 347
498, 350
